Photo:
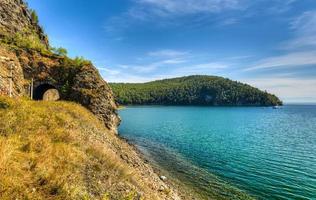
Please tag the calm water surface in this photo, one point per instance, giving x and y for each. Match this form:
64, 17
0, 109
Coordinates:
226, 151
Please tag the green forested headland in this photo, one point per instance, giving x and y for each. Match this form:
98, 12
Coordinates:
193, 90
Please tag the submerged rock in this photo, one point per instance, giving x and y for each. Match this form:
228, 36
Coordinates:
163, 178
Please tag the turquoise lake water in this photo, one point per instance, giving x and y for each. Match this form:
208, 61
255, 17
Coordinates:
226, 152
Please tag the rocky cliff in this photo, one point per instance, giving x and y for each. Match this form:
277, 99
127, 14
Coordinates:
16, 17
25, 52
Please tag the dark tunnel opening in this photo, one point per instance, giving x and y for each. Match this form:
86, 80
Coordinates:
46, 92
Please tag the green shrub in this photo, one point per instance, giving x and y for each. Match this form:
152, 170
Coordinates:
77, 62
80, 61
60, 51
26, 39
34, 16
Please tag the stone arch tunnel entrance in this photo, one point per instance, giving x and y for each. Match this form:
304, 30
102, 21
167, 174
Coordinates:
46, 92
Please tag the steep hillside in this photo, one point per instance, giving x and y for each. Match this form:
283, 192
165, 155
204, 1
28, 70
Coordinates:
59, 150
192, 90
24, 48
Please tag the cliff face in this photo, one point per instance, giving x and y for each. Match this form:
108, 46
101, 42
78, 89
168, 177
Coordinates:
25, 48
15, 17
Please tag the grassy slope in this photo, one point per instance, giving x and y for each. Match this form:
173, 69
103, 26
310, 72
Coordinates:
59, 150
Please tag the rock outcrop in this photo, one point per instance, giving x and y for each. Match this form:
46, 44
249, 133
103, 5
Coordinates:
16, 17
35, 68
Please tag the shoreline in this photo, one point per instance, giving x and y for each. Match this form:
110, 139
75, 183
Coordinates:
180, 178
183, 190
121, 107
186, 186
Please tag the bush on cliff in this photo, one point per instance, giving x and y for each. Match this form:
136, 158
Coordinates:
34, 16
59, 51
27, 39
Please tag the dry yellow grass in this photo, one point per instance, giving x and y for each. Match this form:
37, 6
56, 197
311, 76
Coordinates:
55, 150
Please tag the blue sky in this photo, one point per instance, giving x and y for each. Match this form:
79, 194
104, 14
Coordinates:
270, 44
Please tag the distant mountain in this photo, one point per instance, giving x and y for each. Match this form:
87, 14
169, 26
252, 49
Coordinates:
192, 90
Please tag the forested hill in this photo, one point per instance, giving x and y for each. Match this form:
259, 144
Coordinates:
192, 90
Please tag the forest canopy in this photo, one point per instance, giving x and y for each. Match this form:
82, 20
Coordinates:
192, 90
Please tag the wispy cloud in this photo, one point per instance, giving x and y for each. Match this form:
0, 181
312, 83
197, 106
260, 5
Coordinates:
211, 68
168, 53
175, 61
305, 23
304, 27
296, 59
229, 21
152, 66
154, 60
181, 7
203, 12
281, 6
298, 51
167, 12
242, 57
129, 78
165, 63
109, 71
290, 89
210, 65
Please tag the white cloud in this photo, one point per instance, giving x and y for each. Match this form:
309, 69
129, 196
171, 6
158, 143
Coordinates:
289, 89
210, 65
229, 21
174, 61
305, 23
301, 42
298, 52
305, 31
161, 69
240, 57
109, 71
211, 68
165, 7
151, 67
301, 49
126, 78
168, 53
164, 13
296, 59
281, 6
